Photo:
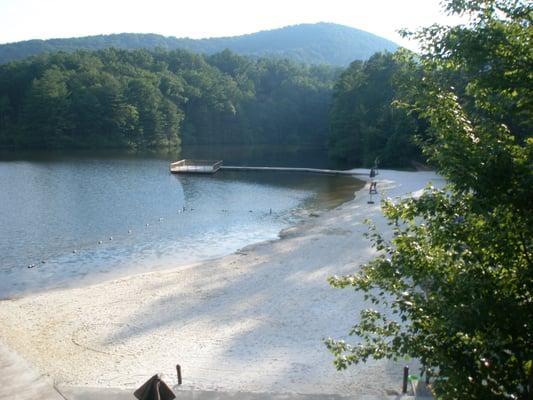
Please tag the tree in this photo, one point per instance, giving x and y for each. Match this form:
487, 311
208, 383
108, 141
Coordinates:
364, 123
48, 104
457, 272
154, 99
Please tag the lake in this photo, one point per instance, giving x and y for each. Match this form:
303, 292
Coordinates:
78, 218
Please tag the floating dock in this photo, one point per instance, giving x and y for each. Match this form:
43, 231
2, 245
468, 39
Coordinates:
195, 166
212, 166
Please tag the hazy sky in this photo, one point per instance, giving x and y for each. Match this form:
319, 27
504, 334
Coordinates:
44, 19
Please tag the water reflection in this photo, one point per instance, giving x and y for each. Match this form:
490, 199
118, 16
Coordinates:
89, 217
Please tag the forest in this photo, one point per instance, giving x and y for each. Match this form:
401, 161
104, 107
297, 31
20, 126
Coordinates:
365, 125
319, 43
145, 99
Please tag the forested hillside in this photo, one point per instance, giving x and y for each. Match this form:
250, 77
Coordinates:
321, 43
365, 125
149, 99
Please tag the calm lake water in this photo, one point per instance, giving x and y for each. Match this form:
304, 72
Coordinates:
70, 220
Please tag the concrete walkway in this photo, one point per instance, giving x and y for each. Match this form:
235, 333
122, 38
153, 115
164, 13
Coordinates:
76, 393
18, 380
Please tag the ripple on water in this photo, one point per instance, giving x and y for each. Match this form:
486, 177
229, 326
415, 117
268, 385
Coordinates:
75, 221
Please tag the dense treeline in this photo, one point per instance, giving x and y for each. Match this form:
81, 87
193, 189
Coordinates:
147, 99
157, 99
365, 125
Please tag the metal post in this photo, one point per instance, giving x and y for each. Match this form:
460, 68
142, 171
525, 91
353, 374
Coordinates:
405, 378
178, 370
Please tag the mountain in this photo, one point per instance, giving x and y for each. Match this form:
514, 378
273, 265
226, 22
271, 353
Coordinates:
320, 43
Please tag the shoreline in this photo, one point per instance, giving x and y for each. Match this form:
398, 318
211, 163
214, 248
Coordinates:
251, 321
84, 263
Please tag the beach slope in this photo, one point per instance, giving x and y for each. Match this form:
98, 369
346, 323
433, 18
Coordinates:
251, 321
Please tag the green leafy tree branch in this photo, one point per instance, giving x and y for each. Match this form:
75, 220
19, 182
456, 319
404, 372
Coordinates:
453, 285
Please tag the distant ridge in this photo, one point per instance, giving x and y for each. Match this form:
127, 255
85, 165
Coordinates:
320, 43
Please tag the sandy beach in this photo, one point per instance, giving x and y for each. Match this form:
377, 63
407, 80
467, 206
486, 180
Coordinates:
251, 321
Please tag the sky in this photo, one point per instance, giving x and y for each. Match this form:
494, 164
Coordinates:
45, 19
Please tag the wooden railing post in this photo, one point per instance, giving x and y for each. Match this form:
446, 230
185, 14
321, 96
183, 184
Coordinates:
178, 370
405, 379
